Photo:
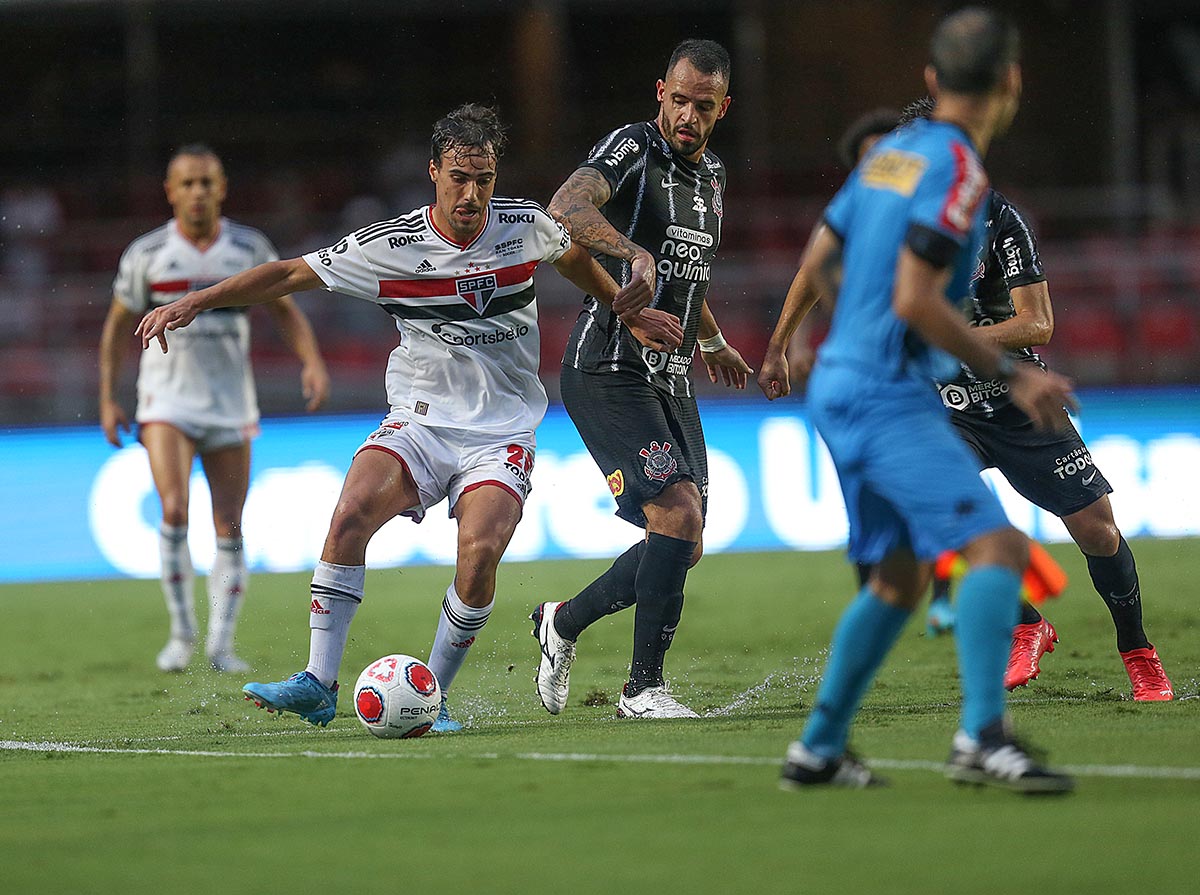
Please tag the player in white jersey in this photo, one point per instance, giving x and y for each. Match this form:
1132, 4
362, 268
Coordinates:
465, 399
199, 399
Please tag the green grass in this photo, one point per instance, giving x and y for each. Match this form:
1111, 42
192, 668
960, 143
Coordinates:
287, 808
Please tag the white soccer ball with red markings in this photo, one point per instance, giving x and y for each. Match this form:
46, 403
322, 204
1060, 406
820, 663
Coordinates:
397, 696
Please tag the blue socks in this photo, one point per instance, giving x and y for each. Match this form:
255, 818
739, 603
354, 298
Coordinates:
988, 606
865, 634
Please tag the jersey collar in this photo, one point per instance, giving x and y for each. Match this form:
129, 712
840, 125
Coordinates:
450, 240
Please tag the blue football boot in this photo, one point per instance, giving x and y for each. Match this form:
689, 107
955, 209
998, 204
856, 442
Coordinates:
444, 723
940, 619
301, 693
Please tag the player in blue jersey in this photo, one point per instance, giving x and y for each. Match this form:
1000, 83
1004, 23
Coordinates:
897, 247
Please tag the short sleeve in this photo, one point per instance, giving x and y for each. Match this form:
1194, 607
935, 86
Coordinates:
950, 193
619, 154
553, 241
1015, 247
837, 212
344, 268
129, 286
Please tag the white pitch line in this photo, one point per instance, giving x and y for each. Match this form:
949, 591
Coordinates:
894, 764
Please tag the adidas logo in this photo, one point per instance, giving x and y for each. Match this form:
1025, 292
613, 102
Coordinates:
425, 266
317, 608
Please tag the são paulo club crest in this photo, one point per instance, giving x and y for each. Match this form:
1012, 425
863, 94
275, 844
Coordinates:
660, 465
421, 678
477, 291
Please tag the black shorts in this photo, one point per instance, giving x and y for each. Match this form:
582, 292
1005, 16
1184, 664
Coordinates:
1053, 470
641, 438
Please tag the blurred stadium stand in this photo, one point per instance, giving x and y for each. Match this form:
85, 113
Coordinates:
322, 112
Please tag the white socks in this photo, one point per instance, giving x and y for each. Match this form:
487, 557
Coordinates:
178, 581
226, 589
337, 592
458, 626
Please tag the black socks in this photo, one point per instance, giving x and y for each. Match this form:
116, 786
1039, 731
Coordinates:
659, 587
611, 592
1115, 579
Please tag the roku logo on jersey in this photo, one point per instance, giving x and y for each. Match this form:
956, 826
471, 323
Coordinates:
507, 218
399, 242
626, 146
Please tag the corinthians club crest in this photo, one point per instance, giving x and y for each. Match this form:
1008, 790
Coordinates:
660, 465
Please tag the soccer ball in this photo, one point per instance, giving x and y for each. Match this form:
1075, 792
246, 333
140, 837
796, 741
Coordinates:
397, 696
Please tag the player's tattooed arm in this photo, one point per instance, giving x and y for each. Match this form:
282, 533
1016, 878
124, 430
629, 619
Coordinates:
577, 205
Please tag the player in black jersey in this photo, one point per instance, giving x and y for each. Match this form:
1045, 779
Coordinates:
1051, 469
649, 202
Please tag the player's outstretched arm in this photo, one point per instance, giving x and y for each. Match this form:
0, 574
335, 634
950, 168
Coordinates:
577, 205
918, 302
298, 333
824, 249
722, 359
255, 286
113, 419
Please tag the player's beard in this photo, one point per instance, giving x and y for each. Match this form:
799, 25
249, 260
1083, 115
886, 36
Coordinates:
672, 137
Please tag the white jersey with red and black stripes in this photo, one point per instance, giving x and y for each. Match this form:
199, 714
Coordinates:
205, 379
469, 346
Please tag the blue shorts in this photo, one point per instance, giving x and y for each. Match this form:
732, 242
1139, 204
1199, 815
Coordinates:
908, 480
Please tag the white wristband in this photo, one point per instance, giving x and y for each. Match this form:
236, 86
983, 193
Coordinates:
716, 343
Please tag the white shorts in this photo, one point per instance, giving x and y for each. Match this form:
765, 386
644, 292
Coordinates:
448, 463
210, 438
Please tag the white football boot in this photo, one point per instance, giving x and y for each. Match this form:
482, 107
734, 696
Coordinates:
653, 702
175, 655
554, 669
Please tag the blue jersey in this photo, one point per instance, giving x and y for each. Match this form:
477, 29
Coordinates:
922, 187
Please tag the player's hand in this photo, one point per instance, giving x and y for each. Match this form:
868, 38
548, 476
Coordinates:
156, 323
113, 421
726, 364
655, 329
633, 297
1042, 395
642, 268
314, 384
773, 376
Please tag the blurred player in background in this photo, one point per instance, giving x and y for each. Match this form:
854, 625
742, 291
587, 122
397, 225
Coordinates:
200, 399
898, 248
1054, 469
465, 398
649, 203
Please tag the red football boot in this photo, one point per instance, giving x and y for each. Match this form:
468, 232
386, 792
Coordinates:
1030, 642
1150, 682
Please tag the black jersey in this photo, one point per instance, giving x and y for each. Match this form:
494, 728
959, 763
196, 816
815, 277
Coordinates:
1010, 259
671, 207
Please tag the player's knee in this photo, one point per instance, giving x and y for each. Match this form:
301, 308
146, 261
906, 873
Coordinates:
482, 549
175, 511
348, 529
1004, 547
696, 554
1095, 533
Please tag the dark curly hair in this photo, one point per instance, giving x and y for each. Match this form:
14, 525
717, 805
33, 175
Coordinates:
470, 126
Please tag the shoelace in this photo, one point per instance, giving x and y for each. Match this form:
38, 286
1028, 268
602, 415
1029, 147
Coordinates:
563, 658
1144, 673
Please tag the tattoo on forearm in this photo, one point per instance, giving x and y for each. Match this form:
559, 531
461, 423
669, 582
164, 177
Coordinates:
577, 205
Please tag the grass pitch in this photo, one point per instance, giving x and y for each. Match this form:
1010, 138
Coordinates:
117, 778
